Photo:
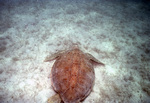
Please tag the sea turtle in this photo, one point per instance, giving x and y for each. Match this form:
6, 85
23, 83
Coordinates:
72, 75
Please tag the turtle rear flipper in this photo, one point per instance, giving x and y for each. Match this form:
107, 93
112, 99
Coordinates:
54, 99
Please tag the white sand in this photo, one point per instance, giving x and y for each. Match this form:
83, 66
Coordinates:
116, 33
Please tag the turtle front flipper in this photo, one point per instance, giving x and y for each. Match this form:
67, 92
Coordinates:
53, 57
93, 59
54, 99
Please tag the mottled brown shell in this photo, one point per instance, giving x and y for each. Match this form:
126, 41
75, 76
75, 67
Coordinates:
73, 75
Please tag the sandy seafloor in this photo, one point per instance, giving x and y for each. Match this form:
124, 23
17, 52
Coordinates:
114, 31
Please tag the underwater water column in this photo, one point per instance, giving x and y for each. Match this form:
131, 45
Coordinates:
115, 32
